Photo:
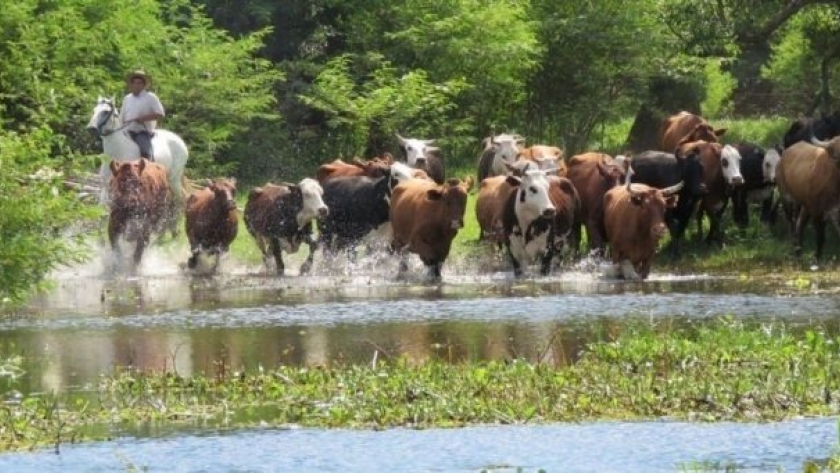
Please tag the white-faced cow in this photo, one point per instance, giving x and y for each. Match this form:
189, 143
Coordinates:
499, 151
758, 167
527, 221
421, 154
279, 217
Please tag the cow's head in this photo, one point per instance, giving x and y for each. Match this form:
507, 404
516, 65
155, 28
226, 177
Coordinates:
730, 164
224, 191
544, 157
399, 173
769, 163
416, 151
532, 200
651, 204
612, 173
505, 149
692, 168
453, 195
703, 131
313, 203
125, 184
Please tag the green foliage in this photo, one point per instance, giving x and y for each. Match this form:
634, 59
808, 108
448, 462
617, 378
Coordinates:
385, 103
39, 220
719, 88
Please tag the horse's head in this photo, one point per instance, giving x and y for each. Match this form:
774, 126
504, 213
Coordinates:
104, 118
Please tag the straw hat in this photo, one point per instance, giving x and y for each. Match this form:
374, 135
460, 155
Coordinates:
139, 74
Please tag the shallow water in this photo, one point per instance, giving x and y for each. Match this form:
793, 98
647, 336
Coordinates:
590, 447
164, 320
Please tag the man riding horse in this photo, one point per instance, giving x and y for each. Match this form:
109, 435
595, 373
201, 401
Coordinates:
141, 109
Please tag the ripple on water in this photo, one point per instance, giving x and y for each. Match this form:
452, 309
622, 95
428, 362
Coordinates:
602, 446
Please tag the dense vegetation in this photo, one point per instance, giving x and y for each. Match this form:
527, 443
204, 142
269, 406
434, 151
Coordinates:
268, 89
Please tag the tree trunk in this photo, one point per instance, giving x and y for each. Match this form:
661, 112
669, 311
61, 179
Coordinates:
667, 97
753, 94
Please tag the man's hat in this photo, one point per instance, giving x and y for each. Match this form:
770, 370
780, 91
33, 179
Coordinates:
139, 74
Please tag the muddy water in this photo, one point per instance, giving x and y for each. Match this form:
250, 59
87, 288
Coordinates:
162, 319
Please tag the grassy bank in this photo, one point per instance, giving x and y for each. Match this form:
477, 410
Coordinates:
721, 370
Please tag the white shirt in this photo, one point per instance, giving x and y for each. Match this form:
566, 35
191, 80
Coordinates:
138, 105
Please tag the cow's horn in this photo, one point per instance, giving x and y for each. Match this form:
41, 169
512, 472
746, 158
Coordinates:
814, 141
673, 189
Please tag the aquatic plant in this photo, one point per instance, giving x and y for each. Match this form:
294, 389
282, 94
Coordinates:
727, 369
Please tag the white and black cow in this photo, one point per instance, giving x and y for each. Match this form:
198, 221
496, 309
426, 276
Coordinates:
758, 167
279, 217
528, 221
421, 154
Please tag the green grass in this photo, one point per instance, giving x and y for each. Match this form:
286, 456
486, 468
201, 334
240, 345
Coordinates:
719, 370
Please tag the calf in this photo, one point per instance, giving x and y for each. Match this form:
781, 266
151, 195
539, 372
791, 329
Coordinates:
661, 170
758, 167
421, 154
279, 217
211, 220
634, 219
140, 199
425, 218
527, 221
499, 150
592, 175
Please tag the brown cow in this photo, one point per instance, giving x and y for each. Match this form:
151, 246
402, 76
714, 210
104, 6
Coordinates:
140, 199
546, 157
211, 221
493, 192
684, 127
567, 213
279, 217
593, 174
634, 220
376, 167
425, 217
808, 174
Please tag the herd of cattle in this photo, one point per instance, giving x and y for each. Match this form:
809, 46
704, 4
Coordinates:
531, 201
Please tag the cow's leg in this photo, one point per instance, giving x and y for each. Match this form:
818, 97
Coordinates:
434, 267
545, 263
313, 247
192, 262
644, 269
139, 247
819, 226
801, 223
115, 229
768, 214
517, 268
277, 252
628, 271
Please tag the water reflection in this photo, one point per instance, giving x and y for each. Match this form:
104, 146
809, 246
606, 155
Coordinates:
88, 326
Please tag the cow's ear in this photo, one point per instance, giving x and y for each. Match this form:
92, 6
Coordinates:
434, 194
113, 166
720, 132
513, 180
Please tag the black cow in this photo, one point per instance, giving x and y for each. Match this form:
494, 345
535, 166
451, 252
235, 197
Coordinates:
662, 170
758, 167
358, 205
824, 128
279, 217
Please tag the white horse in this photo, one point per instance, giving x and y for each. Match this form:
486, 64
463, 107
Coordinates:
169, 149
